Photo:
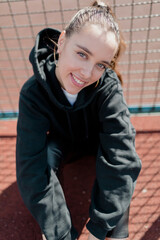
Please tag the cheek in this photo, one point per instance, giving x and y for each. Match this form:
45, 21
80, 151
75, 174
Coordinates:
68, 61
97, 75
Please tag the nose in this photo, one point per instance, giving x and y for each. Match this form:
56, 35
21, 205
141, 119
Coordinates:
87, 70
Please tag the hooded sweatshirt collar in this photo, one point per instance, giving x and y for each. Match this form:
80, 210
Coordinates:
43, 63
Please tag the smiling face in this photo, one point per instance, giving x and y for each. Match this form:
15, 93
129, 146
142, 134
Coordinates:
84, 56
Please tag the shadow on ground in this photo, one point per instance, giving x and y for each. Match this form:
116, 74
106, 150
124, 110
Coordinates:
16, 222
153, 231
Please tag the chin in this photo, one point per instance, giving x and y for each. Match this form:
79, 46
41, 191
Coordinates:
72, 92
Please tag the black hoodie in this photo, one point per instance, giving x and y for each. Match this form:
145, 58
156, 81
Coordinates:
99, 119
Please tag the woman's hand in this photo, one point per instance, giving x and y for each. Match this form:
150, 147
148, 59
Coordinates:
116, 239
91, 237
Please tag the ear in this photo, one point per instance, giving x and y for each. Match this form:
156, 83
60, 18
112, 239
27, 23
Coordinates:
61, 41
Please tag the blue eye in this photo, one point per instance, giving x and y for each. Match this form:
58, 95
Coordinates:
82, 55
101, 66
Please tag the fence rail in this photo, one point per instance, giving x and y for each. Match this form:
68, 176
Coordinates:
140, 65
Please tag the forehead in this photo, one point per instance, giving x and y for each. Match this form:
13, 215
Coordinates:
102, 43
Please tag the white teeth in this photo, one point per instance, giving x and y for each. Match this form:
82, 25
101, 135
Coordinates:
78, 81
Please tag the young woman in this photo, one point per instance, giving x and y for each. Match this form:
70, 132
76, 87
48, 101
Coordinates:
74, 103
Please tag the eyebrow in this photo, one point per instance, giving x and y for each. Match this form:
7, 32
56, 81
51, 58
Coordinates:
90, 53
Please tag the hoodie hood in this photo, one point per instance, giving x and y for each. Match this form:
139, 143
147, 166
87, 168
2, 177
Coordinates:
43, 63
43, 49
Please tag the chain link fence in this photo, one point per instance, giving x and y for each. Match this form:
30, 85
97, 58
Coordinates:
140, 65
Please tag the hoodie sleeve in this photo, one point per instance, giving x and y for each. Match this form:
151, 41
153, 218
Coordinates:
38, 185
117, 165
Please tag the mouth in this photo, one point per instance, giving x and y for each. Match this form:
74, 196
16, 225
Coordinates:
76, 81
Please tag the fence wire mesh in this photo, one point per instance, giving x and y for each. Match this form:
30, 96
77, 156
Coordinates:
140, 65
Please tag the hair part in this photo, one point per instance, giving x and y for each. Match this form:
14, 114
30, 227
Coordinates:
99, 14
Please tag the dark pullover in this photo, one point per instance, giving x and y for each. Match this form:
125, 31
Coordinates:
99, 119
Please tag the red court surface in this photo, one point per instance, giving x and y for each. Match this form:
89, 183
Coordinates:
16, 223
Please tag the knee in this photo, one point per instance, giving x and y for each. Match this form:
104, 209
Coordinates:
54, 155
